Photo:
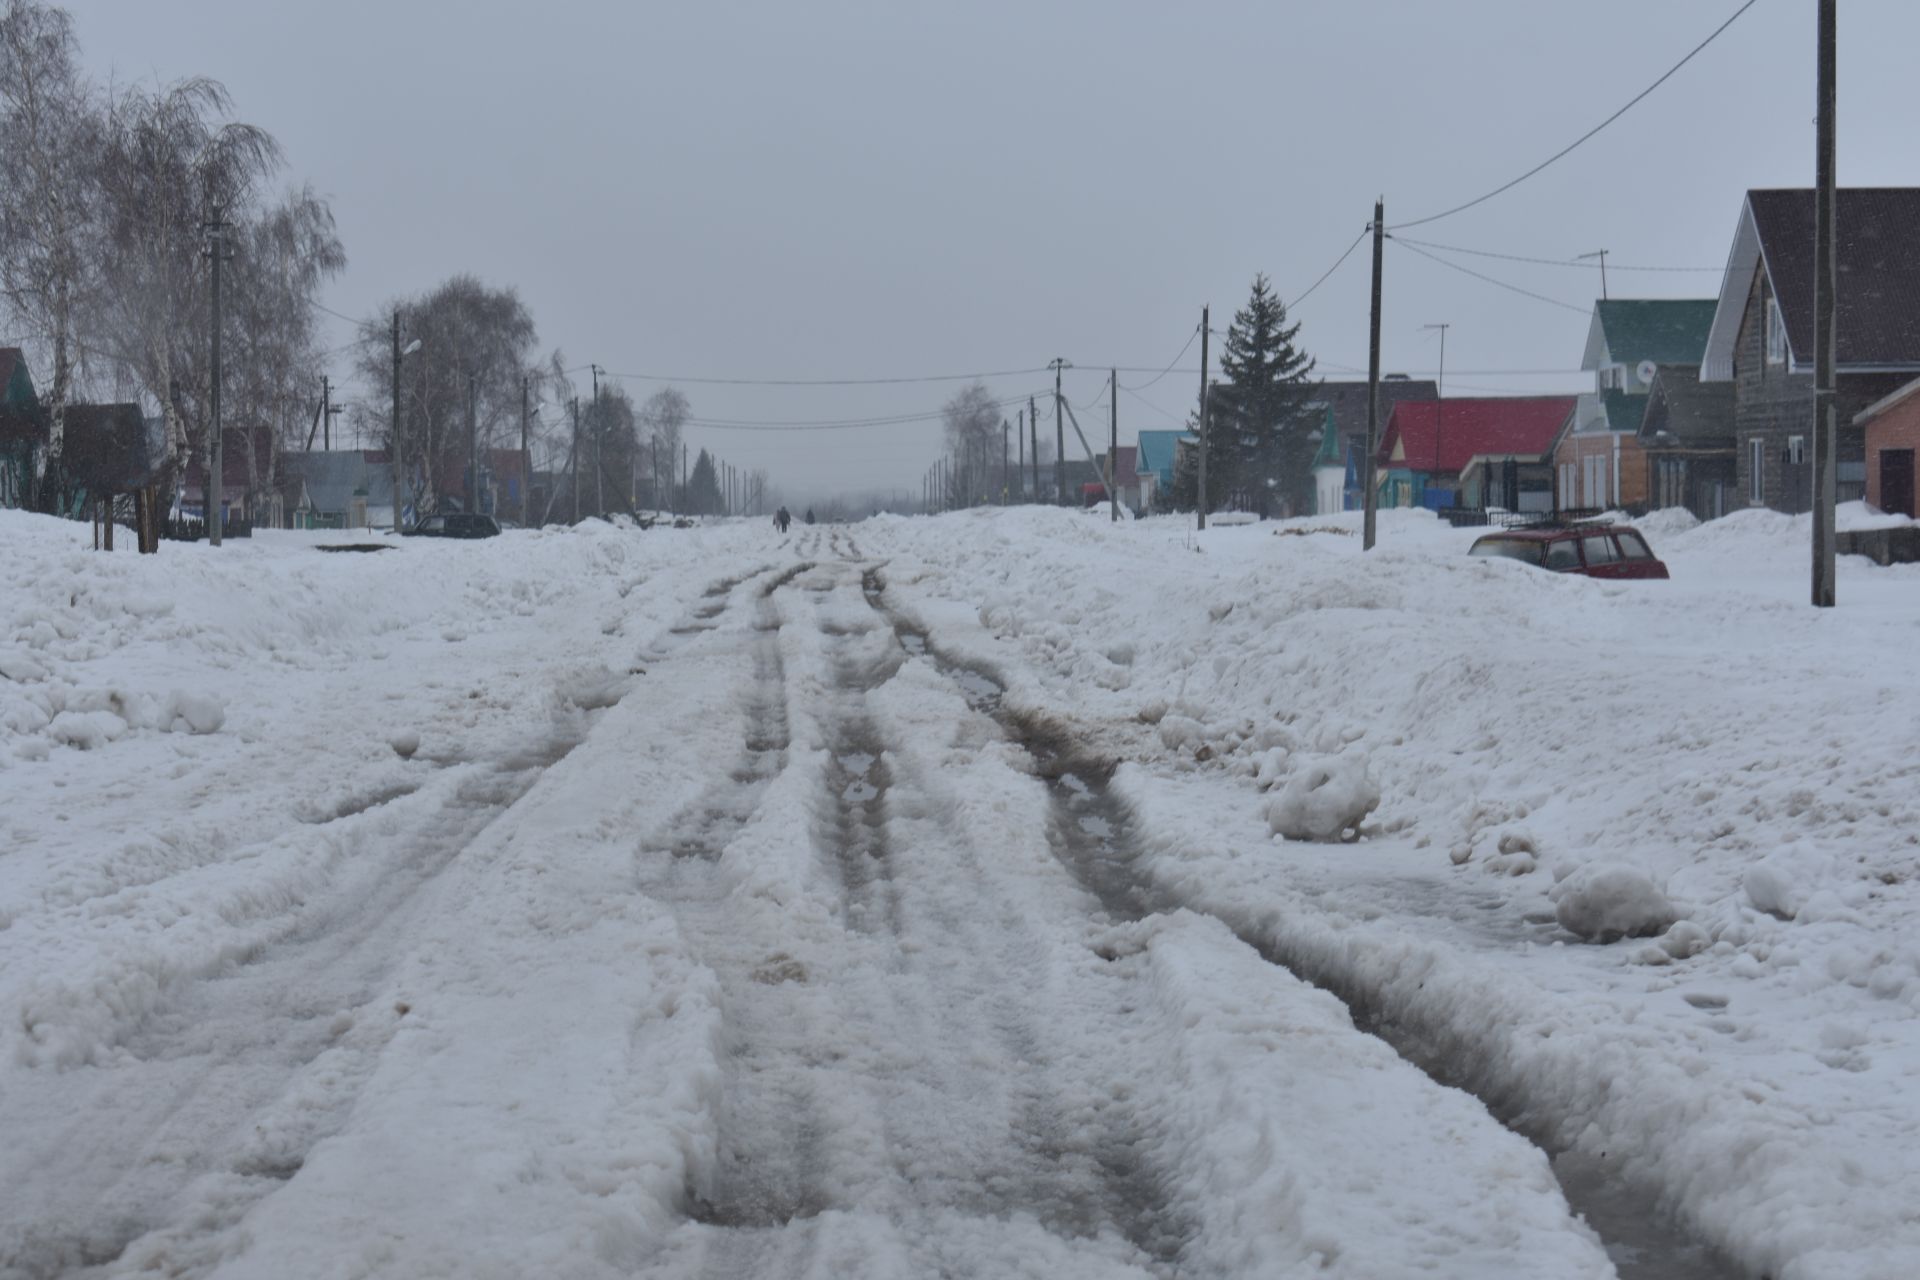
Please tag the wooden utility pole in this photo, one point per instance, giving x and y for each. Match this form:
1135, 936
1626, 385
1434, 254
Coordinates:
1007, 467
599, 448
1033, 432
473, 442
326, 413
216, 460
399, 464
1825, 295
1059, 435
573, 463
1200, 478
1113, 442
526, 454
1020, 434
1371, 498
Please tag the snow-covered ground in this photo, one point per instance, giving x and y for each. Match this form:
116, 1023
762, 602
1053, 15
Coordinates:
904, 899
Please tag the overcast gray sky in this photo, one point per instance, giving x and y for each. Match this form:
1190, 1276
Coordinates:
872, 190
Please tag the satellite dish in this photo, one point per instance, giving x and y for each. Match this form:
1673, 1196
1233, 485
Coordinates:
1646, 371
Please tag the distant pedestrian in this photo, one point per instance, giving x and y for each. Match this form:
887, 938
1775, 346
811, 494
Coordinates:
782, 518
809, 515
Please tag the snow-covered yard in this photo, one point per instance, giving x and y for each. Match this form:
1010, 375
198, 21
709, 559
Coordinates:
905, 899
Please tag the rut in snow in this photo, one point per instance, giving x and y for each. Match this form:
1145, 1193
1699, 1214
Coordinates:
1092, 837
853, 1071
220, 1055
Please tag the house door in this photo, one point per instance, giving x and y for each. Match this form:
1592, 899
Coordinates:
1896, 481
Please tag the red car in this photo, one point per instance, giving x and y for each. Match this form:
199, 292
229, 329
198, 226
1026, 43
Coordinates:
1597, 550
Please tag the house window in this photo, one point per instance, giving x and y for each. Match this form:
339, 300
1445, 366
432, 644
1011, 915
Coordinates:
1776, 334
1796, 450
1756, 471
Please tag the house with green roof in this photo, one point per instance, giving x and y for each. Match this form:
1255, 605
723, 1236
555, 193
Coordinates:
23, 428
1598, 461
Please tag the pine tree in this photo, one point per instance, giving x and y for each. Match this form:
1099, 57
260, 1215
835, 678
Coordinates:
703, 490
1261, 441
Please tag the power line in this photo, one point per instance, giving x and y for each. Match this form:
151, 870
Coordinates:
1330, 270
1169, 369
826, 382
837, 424
1631, 103
1502, 284
1546, 262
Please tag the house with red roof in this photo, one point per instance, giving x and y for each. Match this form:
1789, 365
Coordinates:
1472, 451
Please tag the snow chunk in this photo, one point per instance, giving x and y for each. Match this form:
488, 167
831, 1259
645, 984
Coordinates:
192, 713
404, 744
1324, 798
1608, 901
1772, 890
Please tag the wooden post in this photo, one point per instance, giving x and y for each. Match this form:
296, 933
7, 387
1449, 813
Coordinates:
1200, 486
1371, 498
1825, 291
1113, 443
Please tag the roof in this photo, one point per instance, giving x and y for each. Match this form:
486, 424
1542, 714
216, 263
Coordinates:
1157, 450
11, 358
20, 413
1473, 427
1878, 308
1886, 402
1623, 410
1348, 401
332, 475
240, 447
1680, 407
1664, 330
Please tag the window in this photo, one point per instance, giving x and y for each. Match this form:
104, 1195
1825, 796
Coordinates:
1633, 547
1776, 334
1598, 549
1563, 555
1796, 449
1756, 471
1508, 549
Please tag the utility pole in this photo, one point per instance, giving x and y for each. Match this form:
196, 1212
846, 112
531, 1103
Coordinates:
526, 455
573, 463
473, 442
1602, 255
216, 460
1113, 442
399, 466
1371, 499
1020, 434
1825, 297
599, 448
1033, 432
1006, 466
1200, 486
1059, 433
326, 414
654, 497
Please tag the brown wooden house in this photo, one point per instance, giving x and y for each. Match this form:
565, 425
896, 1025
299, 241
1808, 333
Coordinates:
1762, 336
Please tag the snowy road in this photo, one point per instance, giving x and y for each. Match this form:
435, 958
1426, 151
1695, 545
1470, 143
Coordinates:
743, 932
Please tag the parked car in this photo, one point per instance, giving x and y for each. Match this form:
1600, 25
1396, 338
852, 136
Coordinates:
1596, 550
456, 524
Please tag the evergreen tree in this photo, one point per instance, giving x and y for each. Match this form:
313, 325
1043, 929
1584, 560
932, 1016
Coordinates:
1261, 441
703, 490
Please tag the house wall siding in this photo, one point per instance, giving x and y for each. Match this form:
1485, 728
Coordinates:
1897, 428
1577, 447
1774, 405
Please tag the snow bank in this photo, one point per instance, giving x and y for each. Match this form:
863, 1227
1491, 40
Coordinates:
1525, 731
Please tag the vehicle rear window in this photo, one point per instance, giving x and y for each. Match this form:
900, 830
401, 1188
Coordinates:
1598, 549
1562, 555
1508, 549
1633, 547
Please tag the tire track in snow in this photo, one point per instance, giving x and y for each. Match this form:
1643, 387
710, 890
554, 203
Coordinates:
1093, 837
215, 1093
